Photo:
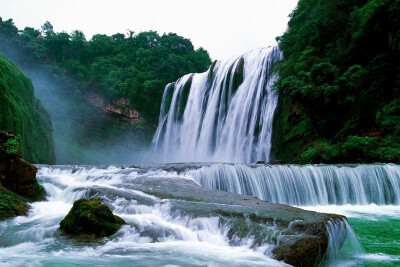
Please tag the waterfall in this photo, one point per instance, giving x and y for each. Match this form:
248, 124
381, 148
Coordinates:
224, 114
309, 185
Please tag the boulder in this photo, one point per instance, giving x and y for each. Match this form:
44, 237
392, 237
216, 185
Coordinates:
90, 217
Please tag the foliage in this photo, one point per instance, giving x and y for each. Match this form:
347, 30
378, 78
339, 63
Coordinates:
320, 151
341, 72
134, 66
24, 115
12, 146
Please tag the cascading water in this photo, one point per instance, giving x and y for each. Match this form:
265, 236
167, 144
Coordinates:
338, 232
155, 229
369, 195
309, 185
155, 235
224, 114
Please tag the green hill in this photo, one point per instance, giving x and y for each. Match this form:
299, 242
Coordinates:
24, 115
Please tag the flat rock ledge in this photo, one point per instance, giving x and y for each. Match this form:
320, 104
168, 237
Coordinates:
299, 237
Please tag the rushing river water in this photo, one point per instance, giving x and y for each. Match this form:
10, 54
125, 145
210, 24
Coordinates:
174, 240
155, 236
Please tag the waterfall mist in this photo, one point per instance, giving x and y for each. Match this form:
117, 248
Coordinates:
224, 114
82, 133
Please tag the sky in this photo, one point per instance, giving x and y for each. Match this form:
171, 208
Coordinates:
224, 28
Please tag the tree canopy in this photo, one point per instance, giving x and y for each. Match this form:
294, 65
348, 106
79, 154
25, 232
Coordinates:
339, 83
134, 66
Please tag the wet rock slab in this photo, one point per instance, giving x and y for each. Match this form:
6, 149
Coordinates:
299, 237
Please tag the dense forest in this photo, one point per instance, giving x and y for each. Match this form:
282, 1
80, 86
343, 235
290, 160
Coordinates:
65, 68
339, 84
133, 66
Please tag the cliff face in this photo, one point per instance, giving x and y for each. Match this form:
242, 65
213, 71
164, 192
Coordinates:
121, 106
24, 115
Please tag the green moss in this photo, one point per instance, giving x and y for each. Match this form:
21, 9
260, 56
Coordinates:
11, 205
24, 115
90, 217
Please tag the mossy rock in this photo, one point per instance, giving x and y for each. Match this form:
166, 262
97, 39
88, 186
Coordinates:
20, 177
11, 205
90, 217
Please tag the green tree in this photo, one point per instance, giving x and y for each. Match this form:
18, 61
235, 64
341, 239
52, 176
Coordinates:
340, 74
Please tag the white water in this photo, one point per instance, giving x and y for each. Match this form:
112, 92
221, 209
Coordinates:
206, 117
154, 236
309, 185
368, 192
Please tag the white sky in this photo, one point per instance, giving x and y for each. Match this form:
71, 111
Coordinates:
223, 27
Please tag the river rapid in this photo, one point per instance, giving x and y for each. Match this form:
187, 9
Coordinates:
156, 236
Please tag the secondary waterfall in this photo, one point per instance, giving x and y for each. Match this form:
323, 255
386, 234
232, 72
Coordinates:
309, 185
224, 114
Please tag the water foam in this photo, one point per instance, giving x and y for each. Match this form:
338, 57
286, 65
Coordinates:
154, 236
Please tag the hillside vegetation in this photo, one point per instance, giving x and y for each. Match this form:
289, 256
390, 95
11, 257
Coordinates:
132, 66
339, 83
24, 115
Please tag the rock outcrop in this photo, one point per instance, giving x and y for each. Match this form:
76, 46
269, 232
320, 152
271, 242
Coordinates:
121, 107
90, 217
18, 184
16, 174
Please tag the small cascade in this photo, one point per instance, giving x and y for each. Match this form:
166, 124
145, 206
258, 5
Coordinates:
224, 114
340, 231
309, 185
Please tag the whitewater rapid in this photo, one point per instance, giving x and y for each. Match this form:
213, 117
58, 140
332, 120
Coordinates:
157, 236
154, 236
